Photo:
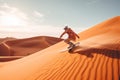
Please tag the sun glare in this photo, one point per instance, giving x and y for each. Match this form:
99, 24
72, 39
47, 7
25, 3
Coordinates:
11, 20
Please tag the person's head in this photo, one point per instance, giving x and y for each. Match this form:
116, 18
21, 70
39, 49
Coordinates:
66, 27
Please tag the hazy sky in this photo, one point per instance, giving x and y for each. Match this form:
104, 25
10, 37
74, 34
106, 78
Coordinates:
48, 17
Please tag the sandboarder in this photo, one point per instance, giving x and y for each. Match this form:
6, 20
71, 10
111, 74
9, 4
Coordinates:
72, 36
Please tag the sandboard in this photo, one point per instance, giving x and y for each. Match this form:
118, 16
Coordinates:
71, 49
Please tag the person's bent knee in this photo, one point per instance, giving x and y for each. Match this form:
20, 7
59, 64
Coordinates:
67, 41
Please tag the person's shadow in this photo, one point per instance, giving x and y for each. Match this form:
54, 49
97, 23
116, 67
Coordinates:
113, 53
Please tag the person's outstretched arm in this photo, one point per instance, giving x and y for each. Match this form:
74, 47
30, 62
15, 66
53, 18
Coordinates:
62, 34
77, 35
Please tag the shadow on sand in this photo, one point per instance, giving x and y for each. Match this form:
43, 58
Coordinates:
113, 53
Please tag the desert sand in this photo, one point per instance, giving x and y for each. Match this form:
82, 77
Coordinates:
11, 47
97, 58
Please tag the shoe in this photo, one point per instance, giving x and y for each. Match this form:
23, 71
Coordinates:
71, 46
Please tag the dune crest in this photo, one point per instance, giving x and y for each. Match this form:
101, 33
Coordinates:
97, 58
6, 39
110, 25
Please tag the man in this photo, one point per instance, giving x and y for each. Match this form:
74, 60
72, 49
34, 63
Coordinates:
71, 36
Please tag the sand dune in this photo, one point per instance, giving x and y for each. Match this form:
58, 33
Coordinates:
4, 50
110, 25
97, 58
6, 39
9, 58
23, 47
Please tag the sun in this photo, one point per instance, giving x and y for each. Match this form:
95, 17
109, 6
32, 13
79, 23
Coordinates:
11, 20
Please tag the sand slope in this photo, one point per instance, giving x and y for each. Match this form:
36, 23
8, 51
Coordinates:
97, 58
110, 25
23, 47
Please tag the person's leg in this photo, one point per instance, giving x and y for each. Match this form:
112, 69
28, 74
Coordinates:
67, 41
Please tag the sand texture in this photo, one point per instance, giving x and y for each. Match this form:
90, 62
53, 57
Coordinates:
97, 58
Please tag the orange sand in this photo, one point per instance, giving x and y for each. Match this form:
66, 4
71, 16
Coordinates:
23, 47
97, 58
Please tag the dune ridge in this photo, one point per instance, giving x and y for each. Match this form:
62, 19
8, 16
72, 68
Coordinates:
97, 58
6, 39
110, 25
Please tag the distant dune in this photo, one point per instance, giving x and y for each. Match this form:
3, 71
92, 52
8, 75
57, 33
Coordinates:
97, 58
6, 39
22, 47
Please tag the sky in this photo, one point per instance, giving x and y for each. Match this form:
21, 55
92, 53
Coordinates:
28, 18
